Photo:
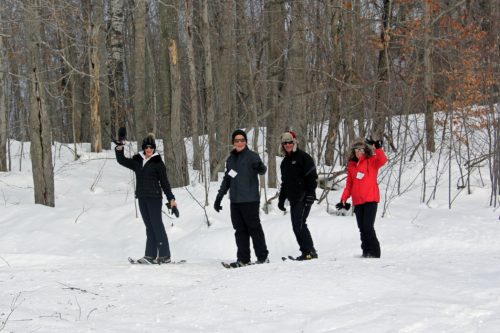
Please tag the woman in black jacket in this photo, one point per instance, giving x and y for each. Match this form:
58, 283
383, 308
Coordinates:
151, 180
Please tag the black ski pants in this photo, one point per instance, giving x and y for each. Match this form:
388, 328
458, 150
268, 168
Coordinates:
299, 213
246, 223
365, 216
156, 237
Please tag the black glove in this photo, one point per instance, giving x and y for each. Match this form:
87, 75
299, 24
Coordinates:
173, 210
122, 136
341, 205
309, 199
281, 205
376, 143
369, 141
217, 203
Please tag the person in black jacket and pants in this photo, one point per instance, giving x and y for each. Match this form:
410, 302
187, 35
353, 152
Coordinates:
298, 185
151, 180
241, 180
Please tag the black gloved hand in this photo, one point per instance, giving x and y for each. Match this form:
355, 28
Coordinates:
369, 141
173, 210
281, 205
341, 205
376, 143
309, 199
122, 136
217, 203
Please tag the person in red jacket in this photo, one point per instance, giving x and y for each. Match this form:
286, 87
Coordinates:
365, 159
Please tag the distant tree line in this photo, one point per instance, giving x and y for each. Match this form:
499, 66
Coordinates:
74, 71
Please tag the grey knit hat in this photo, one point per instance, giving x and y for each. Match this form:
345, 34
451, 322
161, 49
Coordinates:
288, 137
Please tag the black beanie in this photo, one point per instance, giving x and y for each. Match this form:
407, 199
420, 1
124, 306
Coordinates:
238, 132
149, 141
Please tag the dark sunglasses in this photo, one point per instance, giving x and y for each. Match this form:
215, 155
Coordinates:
149, 146
287, 143
239, 140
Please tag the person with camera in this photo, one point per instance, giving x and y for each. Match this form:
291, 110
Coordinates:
151, 181
298, 185
241, 180
365, 159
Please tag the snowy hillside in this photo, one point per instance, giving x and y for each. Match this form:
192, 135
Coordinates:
65, 269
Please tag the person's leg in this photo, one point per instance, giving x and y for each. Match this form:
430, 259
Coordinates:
150, 250
372, 243
241, 234
359, 211
252, 221
299, 213
154, 207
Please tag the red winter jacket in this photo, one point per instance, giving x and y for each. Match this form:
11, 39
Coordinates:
362, 182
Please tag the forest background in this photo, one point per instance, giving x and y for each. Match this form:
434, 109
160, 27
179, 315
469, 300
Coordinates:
75, 71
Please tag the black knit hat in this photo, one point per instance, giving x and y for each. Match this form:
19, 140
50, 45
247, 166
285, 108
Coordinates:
238, 132
149, 141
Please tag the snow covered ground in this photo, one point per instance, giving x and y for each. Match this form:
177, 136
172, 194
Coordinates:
65, 269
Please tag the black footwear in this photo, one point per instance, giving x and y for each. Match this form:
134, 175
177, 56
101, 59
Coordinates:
307, 256
163, 260
146, 260
264, 261
238, 263
369, 255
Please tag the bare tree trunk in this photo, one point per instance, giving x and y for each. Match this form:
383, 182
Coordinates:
226, 83
428, 80
381, 109
139, 71
95, 87
40, 130
209, 95
179, 148
193, 86
242, 113
104, 112
246, 80
117, 55
3, 104
334, 96
275, 17
175, 152
296, 74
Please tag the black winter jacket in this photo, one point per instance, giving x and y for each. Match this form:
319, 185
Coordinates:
151, 178
298, 177
244, 186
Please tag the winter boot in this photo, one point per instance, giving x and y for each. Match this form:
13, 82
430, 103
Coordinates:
263, 261
146, 260
163, 260
307, 256
238, 263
